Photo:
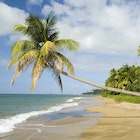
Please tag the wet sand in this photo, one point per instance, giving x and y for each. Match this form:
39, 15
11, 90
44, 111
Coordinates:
69, 129
121, 122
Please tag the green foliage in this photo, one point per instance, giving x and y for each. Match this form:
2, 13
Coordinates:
21, 46
93, 92
138, 51
127, 78
62, 43
122, 97
41, 50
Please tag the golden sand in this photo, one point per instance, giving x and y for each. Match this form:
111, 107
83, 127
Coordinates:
121, 122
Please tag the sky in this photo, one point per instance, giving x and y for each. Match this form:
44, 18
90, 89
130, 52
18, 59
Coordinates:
108, 32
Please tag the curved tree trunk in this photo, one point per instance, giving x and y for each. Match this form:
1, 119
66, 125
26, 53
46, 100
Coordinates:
100, 86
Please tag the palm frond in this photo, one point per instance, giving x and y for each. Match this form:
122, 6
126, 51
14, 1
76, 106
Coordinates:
47, 47
49, 16
23, 63
15, 60
66, 44
57, 77
50, 29
66, 62
53, 62
51, 21
59, 81
21, 46
35, 29
138, 51
20, 28
59, 62
53, 37
38, 69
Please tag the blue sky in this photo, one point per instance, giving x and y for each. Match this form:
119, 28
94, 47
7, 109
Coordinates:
108, 32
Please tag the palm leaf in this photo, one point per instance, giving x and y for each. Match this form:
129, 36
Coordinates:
59, 62
138, 51
21, 46
23, 63
51, 21
66, 44
14, 60
52, 63
50, 29
20, 28
57, 77
38, 69
35, 29
53, 37
47, 47
66, 62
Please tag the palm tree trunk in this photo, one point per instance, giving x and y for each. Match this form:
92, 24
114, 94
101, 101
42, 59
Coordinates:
100, 86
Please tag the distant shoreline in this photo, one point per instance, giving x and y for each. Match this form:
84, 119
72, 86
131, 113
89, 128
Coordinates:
93, 92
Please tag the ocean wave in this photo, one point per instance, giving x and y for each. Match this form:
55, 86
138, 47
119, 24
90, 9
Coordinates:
7, 125
73, 99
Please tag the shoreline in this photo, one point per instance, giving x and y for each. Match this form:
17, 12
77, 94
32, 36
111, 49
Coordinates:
95, 118
66, 124
120, 121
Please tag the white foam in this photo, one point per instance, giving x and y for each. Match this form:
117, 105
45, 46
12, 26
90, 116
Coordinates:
78, 98
72, 100
7, 125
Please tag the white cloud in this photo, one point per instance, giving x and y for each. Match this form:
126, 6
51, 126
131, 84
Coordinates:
34, 2
100, 27
46, 9
9, 17
58, 8
89, 62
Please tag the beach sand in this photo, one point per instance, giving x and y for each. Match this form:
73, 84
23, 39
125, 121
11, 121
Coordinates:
121, 122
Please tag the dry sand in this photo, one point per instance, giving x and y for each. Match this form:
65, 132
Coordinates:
121, 122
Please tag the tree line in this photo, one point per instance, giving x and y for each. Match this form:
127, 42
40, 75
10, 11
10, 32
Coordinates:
126, 77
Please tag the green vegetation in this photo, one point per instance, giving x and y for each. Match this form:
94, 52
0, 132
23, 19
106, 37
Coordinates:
122, 97
93, 92
126, 78
43, 50
138, 51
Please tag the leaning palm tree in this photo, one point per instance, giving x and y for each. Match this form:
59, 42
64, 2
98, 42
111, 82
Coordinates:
43, 51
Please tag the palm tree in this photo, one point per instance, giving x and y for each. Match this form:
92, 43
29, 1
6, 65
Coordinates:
126, 78
43, 50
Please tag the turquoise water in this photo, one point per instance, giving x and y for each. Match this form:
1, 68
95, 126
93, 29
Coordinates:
17, 108
11, 104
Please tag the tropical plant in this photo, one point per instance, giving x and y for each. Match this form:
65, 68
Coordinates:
43, 51
126, 78
138, 51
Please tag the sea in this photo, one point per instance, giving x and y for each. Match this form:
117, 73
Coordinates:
18, 108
